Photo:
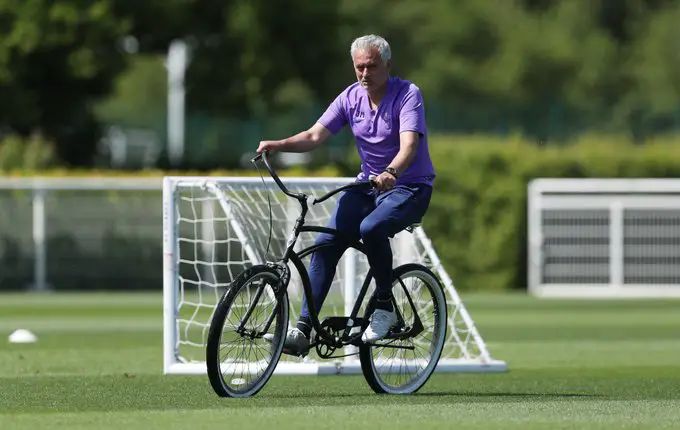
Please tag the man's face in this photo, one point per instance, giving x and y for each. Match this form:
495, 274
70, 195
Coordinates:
371, 72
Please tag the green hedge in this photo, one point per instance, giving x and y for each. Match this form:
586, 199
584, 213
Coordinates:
477, 219
35, 155
32, 153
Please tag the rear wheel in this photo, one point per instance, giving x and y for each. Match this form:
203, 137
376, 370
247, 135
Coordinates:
239, 360
402, 362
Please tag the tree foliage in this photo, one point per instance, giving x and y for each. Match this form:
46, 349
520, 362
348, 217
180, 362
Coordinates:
56, 57
245, 54
598, 60
603, 64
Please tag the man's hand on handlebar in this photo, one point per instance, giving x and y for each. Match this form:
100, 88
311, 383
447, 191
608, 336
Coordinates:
268, 145
384, 181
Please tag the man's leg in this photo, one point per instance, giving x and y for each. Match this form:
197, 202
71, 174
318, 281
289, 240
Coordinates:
395, 210
351, 208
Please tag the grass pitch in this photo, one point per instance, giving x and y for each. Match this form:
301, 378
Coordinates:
573, 365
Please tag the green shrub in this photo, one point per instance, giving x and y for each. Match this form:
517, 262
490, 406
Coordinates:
32, 153
327, 171
477, 220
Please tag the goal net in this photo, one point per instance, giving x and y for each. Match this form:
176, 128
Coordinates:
214, 228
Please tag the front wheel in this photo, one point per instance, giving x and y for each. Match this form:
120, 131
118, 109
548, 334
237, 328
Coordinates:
403, 364
246, 333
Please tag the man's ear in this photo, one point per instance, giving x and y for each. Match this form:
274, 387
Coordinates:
388, 64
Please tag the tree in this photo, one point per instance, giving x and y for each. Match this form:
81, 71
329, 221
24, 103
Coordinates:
530, 65
244, 54
56, 58
653, 67
484, 63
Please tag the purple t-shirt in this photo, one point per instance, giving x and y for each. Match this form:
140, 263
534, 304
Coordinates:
377, 131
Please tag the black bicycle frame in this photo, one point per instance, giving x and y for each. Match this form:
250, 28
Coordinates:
352, 319
296, 259
290, 255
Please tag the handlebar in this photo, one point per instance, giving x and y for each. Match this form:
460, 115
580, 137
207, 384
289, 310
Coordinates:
358, 184
264, 156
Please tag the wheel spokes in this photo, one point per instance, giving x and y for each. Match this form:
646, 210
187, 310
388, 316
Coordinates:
244, 354
402, 362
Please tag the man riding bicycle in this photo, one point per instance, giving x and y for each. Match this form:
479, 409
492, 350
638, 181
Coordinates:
387, 118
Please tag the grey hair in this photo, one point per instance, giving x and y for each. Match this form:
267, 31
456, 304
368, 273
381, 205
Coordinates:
372, 41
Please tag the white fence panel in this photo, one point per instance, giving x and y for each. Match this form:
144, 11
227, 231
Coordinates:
80, 233
604, 237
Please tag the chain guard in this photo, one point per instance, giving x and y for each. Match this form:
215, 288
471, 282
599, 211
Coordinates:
323, 349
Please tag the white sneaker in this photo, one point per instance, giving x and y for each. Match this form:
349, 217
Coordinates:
380, 324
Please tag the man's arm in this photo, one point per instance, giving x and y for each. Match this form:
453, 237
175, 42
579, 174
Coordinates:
302, 142
408, 145
411, 126
332, 120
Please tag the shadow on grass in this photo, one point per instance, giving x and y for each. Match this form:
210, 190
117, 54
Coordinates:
441, 396
533, 396
152, 392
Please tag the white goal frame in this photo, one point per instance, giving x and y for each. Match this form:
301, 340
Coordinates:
616, 198
477, 359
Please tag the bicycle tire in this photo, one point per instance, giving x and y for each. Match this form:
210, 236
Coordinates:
214, 363
366, 357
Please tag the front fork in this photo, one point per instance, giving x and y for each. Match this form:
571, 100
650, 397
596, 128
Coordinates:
279, 291
281, 267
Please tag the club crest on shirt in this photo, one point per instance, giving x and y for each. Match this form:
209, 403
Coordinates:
359, 116
387, 118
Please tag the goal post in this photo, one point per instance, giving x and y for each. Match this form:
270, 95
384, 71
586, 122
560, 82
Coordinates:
604, 238
216, 227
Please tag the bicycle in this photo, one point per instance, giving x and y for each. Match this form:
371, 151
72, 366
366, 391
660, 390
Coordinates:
266, 284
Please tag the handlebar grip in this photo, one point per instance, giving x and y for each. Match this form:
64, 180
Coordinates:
259, 156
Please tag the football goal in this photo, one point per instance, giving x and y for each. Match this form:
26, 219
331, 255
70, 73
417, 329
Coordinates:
216, 227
